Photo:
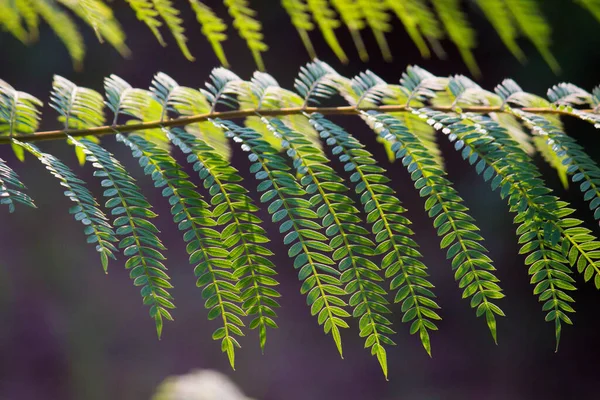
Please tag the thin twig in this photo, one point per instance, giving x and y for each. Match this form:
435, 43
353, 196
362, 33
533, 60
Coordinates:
345, 110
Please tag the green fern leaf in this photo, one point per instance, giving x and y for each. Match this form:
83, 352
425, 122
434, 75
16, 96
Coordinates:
100, 17
64, 27
404, 10
193, 217
86, 209
81, 107
19, 114
139, 242
545, 150
326, 20
349, 241
370, 90
189, 102
213, 28
377, 18
427, 23
384, 215
170, 15
306, 244
242, 234
532, 23
234, 208
459, 30
249, 28
580, 165
145, 12
592, 5
352, 16
320, 279
78, 107
473, 268
567, 95
501, 19
544, 231
264, 93
11, 188
30, 17
10, 21
300, 17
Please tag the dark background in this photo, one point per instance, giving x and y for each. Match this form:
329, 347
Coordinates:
68, 331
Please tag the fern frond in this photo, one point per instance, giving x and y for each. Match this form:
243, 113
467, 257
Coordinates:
11, 188
392, 235
123, 99
64, 27
306, 244
99, 16
81, 107
242, 233
459, 30
190, 212
249, 28
473, 268
428, 24
264, 93
404, 11
567, 94
10, 21
30, 18
501, 19
19, 114
213, 28
300, 17
371, 90
377, 18
170, 15
510, 92
352, 16
545, 232
188, 102
78, 107
326, 20
139, 242
145, 12
222, 88
349, 240
545, 150
321, 181
86, 209
592, 5
193, 217
579, 164
317, 80
532, 23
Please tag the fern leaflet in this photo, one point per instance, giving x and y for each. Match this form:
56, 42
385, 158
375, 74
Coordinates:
473, 269
249, 28
213, 28
170, 15
298, 12
11, 188
86, 209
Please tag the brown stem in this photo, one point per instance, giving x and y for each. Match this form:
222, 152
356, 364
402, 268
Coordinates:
344, 110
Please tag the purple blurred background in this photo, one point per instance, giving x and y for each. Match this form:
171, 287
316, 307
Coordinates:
68, 331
